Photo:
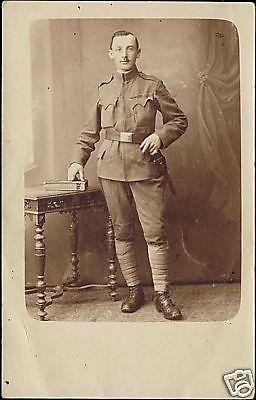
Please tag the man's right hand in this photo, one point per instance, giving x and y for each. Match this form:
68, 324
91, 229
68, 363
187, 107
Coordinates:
76, 172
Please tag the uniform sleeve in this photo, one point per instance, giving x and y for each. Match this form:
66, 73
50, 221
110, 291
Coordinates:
174, 121
89, 135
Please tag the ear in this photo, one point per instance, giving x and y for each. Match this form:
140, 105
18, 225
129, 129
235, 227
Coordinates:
138, 53
110, 53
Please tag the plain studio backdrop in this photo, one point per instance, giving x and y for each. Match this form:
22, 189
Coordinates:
198, 61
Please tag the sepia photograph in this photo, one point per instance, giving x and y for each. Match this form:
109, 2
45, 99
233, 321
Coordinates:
128, 170
144, 116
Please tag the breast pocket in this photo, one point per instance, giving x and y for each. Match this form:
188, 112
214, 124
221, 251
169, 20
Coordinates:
142, 109
108, 111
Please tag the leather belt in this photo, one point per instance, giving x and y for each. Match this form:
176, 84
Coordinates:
127, 137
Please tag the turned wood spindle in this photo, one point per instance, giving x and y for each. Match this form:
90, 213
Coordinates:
40, 257
74, 247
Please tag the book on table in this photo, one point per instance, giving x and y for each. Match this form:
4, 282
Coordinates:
76, 185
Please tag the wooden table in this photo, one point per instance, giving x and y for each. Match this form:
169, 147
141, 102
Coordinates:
38, 202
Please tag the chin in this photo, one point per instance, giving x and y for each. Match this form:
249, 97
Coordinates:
126, 67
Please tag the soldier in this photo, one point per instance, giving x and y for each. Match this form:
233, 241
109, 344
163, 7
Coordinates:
125, 114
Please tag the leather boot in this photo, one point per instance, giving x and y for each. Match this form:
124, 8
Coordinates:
165, 305
134, 300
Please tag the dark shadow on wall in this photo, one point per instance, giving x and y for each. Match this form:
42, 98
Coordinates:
200, 67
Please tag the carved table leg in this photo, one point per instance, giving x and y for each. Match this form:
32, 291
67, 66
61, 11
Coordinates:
111, 259
40, 256
73, 280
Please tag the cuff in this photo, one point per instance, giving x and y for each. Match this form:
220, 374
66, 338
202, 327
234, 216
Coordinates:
167, 137
75, 162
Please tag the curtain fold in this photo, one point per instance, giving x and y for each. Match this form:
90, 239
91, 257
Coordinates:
218, 101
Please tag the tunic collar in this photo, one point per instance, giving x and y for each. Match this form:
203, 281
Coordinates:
128, 76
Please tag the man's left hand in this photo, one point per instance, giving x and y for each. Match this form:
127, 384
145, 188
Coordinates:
151, 143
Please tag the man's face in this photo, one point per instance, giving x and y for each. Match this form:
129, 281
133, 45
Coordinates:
124, 53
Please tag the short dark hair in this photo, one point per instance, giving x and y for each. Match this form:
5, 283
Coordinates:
123, 33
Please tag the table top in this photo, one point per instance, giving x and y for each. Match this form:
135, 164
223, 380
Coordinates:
38, 200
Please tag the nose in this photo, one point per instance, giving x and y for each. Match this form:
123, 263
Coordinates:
124, 53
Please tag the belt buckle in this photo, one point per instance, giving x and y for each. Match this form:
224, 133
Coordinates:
126, 137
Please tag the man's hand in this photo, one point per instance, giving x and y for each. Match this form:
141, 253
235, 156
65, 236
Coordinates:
76, 171
152, 143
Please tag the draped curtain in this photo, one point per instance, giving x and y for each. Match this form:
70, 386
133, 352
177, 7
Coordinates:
219, 114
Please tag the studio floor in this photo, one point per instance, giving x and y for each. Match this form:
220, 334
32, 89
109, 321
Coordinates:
216, 302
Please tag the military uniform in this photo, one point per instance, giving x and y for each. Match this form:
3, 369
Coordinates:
125, 114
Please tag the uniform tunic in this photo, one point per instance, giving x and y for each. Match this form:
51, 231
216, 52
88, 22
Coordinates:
129, 103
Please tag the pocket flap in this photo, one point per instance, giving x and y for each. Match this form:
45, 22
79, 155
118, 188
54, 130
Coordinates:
108, 102
140, 100
104, 146
101, 151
